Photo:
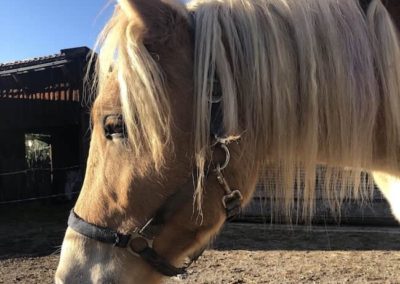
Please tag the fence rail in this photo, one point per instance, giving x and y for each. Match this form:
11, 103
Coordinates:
25, 171
39, 198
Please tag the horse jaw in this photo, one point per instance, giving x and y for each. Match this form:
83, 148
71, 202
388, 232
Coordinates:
105, 264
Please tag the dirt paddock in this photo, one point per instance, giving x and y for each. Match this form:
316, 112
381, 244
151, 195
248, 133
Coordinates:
243, 253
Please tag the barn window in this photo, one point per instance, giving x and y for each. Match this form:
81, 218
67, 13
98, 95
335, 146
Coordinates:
39, 162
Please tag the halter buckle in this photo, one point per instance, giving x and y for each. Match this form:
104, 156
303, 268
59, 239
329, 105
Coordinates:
138, 243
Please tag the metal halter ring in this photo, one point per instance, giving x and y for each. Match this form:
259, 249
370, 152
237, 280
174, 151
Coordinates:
227, 157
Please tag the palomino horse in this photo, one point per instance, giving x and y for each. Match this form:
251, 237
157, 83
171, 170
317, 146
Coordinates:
196, 103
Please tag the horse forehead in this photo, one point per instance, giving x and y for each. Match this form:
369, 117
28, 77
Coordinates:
108, 98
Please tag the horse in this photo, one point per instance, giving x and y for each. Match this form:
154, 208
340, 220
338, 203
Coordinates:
197, 103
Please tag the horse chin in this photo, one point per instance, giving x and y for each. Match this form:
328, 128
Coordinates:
106, 263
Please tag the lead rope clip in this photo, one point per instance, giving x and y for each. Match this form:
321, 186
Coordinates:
233, 198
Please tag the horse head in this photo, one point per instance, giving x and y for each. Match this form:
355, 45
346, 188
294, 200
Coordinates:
301, 83
141, 164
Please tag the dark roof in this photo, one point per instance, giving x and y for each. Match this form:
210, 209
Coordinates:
33, 75
27, 62
65, 54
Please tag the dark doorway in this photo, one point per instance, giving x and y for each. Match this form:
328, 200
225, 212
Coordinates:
39, 164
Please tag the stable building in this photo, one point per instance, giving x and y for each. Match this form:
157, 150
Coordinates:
44, 121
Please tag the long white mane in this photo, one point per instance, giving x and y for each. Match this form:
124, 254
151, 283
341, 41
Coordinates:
304, 82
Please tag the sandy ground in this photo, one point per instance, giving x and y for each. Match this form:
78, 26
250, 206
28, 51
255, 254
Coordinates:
243, 253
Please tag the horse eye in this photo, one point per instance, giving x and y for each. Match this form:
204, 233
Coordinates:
114, 127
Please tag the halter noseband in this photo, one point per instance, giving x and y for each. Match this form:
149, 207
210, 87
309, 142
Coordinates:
139, 243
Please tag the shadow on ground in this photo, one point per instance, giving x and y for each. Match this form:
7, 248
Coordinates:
32, 229
239, 236
38, 229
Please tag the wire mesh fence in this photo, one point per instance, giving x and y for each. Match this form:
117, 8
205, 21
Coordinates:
69, 184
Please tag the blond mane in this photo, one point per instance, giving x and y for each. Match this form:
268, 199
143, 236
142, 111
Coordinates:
145, 106
306, 83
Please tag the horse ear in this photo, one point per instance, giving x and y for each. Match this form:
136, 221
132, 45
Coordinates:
157, 19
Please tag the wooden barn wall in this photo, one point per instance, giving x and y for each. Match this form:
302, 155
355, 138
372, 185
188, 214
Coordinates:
12, 159
66, 154
37, 114
63, 121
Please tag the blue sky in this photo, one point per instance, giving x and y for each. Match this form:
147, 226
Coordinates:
31, 28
